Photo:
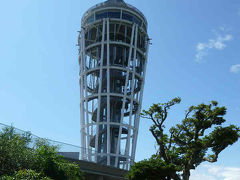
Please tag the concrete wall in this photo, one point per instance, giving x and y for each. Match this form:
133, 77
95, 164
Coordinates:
95, 171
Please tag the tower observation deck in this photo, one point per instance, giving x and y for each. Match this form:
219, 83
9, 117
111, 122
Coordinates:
113, 56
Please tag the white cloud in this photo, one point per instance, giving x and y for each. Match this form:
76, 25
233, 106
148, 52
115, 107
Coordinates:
223, 28
218, 43
227, 173
235, 68
200, 176
212, 172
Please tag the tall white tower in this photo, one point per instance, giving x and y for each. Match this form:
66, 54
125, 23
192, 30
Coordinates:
113, 57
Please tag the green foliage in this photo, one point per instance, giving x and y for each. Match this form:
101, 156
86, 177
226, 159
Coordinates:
25, 175
187, 145
42, 160
53, 165
14, 154
153, 169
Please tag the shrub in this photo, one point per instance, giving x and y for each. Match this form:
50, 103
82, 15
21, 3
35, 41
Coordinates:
41, 160
26, 175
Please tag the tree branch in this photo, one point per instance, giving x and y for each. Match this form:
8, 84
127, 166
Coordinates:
211, 160
161, 146
170, 141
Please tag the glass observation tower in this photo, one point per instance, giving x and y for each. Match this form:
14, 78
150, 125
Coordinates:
113, 56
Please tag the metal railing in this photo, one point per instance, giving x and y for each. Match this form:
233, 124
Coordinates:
64, 149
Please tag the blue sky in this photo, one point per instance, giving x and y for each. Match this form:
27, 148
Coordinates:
195, 54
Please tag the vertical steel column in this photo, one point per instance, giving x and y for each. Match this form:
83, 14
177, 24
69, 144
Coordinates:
85, 102
124, 99
83, 143
132, 96
140, 107
108, 97
99, 90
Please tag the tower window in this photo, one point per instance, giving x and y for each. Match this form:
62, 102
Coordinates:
101, 15
132, 18
90, 19
114, 14
127, 17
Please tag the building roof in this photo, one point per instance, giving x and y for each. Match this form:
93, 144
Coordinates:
113, 3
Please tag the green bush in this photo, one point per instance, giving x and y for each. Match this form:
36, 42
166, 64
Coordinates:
26, 175
151, 169
53, 165
41, 161
14, 154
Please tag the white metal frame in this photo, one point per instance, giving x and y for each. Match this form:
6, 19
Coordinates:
89, 128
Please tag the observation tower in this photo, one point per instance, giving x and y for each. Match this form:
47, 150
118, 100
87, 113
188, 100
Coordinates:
113, 56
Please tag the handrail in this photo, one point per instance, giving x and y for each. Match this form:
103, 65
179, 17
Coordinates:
62, 149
